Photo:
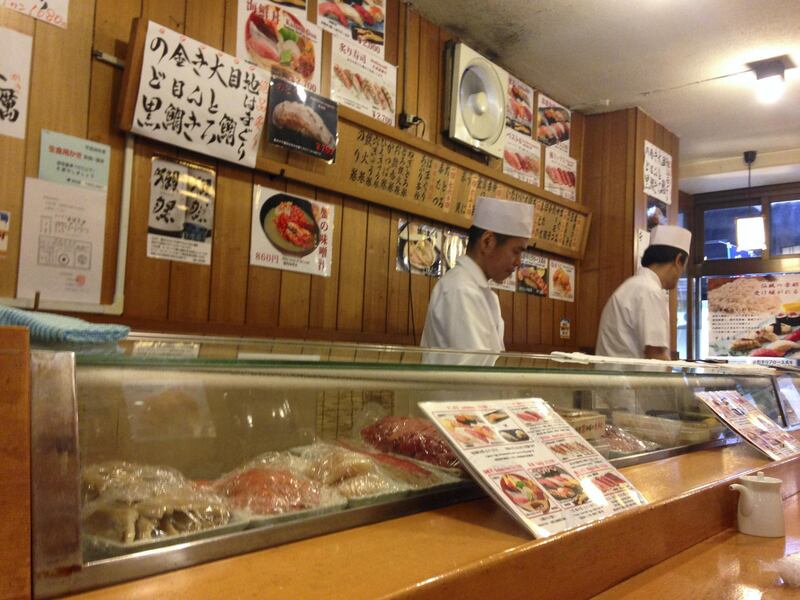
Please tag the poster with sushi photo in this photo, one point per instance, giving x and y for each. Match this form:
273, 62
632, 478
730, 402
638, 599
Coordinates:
532, 274
561, 281
454, 245
279, 41
362, 81
509, 284
657, 173
560, 173
291, 233
755, 316
419, 248
363, 21
519, 106
301, 120
181, 222
522, 158
553, 123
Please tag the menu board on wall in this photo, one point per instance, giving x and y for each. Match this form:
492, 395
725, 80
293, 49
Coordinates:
755, 316
15, 71
657, 173
532, 463
196, 97
748, 421
362, 81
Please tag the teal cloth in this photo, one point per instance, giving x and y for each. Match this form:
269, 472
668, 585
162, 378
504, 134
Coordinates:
49, 328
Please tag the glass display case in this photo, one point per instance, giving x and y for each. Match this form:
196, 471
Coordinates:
160, 453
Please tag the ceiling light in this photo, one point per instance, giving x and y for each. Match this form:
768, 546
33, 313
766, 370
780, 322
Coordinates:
769, 77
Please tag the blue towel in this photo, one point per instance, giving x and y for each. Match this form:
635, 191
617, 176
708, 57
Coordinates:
49, 328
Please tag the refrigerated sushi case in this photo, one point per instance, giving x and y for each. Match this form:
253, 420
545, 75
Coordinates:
161, 453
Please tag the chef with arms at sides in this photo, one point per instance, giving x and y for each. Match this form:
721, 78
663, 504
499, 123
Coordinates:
464, 312
635, 320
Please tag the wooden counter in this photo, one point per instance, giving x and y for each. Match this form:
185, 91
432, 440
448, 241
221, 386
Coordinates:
476, 550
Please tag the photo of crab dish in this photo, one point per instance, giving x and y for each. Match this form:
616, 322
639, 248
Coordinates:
289, 224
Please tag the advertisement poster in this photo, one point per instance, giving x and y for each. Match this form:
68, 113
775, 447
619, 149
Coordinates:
15, 70
562, 281
519, 107
419, 248
755, 316
532, 274
749, 422
363, 21
363, 82
50, 11
657, 173
301, 120
5, 226
656, 213
68, 159
532, 463
196, 97
291, 233
522, 158
453, 246
560, 173
181, 222
61, 249
553, 123
509, 284
280, 40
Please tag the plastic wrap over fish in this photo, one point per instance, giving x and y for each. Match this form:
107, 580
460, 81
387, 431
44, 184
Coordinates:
128, 481
411, 436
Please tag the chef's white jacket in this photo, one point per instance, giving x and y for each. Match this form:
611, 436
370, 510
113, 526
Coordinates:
636, 315
463, 314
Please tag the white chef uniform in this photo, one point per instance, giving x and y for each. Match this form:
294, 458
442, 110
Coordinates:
636, 315
463, 291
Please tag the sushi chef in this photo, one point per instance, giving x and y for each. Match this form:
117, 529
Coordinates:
635, 320
464, 312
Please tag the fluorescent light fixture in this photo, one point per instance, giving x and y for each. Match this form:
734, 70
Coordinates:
769, 89
769, 77
750, 233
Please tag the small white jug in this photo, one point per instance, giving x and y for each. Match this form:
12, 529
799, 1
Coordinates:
760, 506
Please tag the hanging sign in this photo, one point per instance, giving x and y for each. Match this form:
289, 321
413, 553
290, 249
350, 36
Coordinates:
657, 173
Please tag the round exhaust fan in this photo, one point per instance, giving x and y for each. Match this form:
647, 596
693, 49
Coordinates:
477, 100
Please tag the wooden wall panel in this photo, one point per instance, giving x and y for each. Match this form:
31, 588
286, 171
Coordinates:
351, 268
264, 283
399, 286
295, 287
519, 328
376, 269
507, 311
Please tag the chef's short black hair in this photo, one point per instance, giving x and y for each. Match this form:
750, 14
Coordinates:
475, 233
662, 254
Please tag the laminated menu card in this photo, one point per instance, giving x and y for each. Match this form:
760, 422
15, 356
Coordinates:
533, 463
749, 422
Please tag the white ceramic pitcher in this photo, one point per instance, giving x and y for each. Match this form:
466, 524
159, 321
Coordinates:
760, 506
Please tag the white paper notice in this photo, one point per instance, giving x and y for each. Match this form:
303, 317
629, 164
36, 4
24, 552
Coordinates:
49, 11
61, 253
291, 233
657, 173
522, 158
560, 173
281, 41
363, 82
562, 281
199, 98
533, 463
15, 69
181, 222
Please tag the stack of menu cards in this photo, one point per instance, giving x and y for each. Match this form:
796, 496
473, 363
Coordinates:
533, 463
747, 420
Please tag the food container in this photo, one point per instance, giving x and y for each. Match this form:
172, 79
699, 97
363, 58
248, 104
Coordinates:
588, 423
666, 432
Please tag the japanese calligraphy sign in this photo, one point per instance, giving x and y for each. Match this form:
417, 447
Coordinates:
532, 274
562, 281
49, 11
560, 173
280, 41
362, 81
68, 159
755, 316
199, 98
657, 173
181, 221
15, 69
419, 248
291, 233
522, 158
553, 123
363, 22
61, 248
302, 120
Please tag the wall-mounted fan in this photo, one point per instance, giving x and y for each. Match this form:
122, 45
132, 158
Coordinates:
475, 106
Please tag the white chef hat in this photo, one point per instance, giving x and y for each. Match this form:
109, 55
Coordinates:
671, 235
504, 216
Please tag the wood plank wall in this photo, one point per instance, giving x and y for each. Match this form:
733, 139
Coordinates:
613, 188
365, 299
